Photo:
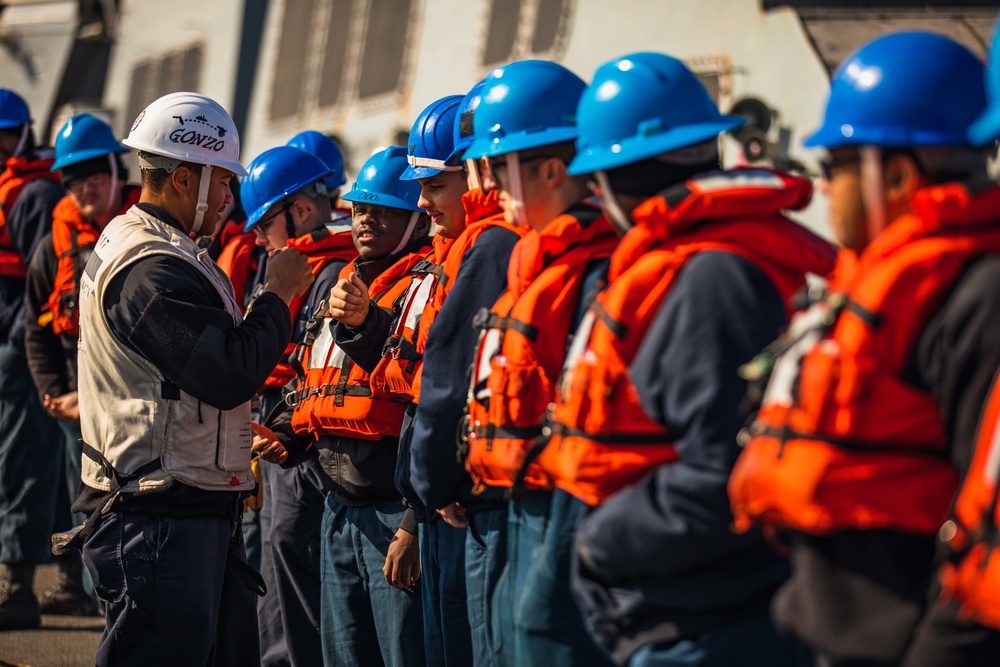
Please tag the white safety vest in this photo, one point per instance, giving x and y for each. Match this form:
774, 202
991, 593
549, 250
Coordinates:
124, 412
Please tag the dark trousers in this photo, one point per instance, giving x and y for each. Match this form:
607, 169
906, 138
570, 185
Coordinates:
447, 639
290, 612
541, 618
32, 452
171, 596
485, 556
365, 622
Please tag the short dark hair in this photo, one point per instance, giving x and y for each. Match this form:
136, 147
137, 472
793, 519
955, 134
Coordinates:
154, 179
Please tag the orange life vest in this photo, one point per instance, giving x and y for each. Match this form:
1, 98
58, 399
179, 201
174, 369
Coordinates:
333, 395
237, 257
972, 574
398, 374
73, 237
18, 173
522, 344
319, 246
600, 437
842, 440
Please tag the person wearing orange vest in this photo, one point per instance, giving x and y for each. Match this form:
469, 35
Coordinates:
869, 417
393, 349
30, 440
437, 472
519, 357
643, 430
370, 611
86, 153
288, 207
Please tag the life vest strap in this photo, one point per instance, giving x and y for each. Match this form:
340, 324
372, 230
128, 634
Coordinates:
292, 399
785, 434
617, 327
487, 319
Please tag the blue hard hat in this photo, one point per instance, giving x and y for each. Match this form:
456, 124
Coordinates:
986, 129
275, 174
327, 150
903, 89
431, 139
378, 182
525, 104
639, 106
463, 133
84, 137
13, 109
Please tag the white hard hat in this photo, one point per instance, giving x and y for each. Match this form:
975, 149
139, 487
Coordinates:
188, 127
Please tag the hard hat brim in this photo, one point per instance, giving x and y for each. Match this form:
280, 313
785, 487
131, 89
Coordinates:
416, 173
233, 166
520, 141
986, 129
366, 197
81, 156
635, 149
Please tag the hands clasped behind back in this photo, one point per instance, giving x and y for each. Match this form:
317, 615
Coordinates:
349, 300
288, 274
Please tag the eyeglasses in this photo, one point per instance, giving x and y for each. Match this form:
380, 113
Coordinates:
833, 163
499, 163
98, 180
264, 224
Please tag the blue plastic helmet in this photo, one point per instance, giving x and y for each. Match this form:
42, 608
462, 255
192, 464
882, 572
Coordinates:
463, 134
84, 137
13, 109
642, 105
275, 174
431, 139
378, 182
526, 104
327, 150
986, 129
903, 89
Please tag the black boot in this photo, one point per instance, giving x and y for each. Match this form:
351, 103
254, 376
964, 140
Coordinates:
18, 604
68, 597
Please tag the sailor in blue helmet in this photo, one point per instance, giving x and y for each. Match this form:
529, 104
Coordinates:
554, 269
30, 441
695, 288
288, 206
89, 158
541, 97
906, 191
326, 149
370, 609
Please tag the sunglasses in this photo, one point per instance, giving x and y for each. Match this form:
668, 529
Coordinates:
265, 224
833, 163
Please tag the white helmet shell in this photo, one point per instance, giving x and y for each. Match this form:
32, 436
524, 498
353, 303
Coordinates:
189, 127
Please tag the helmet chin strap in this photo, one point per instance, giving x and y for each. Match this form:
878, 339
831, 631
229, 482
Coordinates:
408, 233
516, 201
872, 187
23, 140
619, 218
472, 168
202, 206
113, 164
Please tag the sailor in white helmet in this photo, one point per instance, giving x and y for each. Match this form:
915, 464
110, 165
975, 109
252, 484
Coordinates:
167, 370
